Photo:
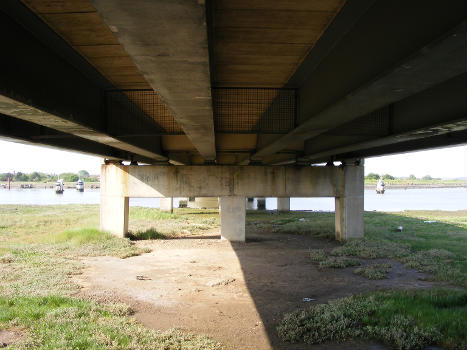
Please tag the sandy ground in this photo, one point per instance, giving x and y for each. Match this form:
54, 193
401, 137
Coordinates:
235, 293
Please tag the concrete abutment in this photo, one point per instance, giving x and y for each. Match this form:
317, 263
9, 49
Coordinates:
232, 184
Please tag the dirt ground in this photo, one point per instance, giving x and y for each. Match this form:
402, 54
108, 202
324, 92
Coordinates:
235, 293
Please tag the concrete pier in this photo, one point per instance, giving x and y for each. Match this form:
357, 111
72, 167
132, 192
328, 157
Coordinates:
261, 203
283, 204
114, 214
349, 204
232, 211
167, 205
233, 184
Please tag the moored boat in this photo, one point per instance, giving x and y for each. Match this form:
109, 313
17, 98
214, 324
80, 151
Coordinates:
380, 187
80, 186
59, 186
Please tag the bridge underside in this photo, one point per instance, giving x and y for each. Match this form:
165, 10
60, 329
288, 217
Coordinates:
233, 82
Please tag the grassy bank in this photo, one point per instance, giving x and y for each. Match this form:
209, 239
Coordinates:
39, 255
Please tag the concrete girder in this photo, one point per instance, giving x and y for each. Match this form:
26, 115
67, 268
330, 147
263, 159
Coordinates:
439, 141
436, 111
44, 81
17, 130
441, 129
435, 63
168, 42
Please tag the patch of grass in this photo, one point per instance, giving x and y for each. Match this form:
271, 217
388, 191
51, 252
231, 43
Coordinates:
338, 262
145, 235
404, 319
374, 271
55, 322
317, 255
183, 220
367, 248
318, 224
153, 214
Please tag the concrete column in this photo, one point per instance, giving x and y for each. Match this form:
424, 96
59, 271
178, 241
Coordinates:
114, 214
261, 203
349, 206
232, 210
167, 204
283, 204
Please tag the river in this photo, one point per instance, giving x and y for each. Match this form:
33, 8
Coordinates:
392, 200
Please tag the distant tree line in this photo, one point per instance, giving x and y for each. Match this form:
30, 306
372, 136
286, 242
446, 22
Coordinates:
374, 176
43, 177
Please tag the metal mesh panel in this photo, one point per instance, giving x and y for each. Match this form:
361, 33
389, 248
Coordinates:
125, 103
254, 110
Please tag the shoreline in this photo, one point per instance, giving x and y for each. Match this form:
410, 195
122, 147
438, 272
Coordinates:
416, 186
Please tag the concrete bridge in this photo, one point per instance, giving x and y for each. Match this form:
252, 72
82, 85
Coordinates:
233, 98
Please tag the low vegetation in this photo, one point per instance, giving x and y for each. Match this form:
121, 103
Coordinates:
404, 319
374, 271
56, 322
39, 256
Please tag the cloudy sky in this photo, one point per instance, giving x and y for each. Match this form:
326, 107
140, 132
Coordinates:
444, 163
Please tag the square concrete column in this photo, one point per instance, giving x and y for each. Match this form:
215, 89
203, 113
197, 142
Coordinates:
232, 210
114, 214
167, 204
349, 206
261, 203
283, 204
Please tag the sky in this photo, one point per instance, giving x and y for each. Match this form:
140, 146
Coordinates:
444, 162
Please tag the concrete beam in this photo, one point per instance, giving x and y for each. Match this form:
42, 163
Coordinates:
17, 130
390, 140
433, 64
44, 81
439, 110
220, 181
168, 42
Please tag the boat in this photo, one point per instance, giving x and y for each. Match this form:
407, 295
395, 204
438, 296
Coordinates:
380, 187
80, 186
59, 186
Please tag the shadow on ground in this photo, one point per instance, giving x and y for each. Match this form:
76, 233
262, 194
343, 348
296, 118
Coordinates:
281, 278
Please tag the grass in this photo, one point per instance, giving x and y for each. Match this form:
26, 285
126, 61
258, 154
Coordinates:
437, 248
39, 255
318, 224
55, 322
374, 271
404, 319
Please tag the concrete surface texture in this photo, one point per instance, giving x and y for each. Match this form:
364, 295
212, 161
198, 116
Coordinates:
204, 203
233, 211
283, 203
167, 204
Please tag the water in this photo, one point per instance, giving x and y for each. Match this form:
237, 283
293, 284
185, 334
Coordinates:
392, 200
